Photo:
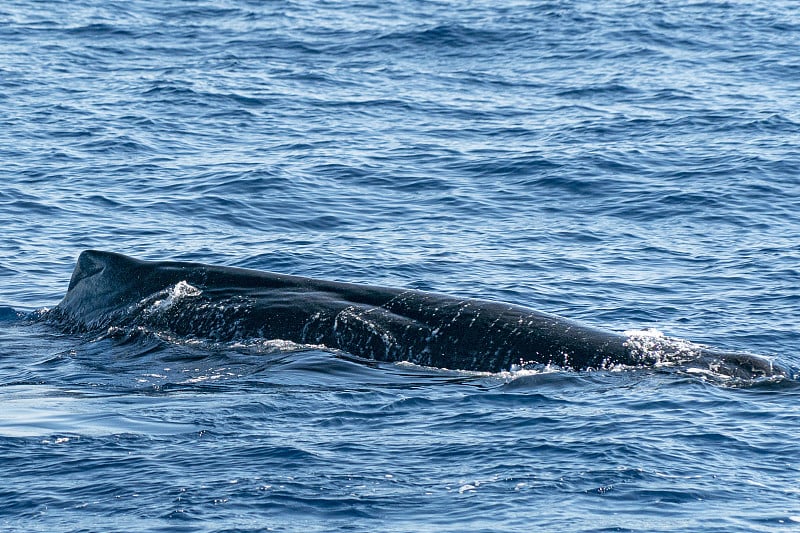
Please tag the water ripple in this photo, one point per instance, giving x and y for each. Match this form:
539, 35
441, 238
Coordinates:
627, 165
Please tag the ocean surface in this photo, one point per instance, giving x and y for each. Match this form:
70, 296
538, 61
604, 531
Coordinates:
632, 165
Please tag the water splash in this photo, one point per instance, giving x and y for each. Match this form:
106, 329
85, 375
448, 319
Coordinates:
165, 300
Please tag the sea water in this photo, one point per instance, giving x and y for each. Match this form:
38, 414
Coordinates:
632, 165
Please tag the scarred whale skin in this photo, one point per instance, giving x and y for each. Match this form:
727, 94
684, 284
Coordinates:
225, 303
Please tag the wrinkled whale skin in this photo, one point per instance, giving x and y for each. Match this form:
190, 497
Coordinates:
384, 324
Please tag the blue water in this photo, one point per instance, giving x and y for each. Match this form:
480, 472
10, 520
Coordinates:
632, 165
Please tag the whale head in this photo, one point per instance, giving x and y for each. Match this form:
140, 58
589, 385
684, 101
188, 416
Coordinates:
105, 284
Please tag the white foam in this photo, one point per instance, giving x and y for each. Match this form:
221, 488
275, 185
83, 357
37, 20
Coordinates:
169, 297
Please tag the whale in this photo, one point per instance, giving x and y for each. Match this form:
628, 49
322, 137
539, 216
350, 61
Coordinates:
224, 304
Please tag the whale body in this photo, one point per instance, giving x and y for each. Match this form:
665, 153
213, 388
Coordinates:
222, 303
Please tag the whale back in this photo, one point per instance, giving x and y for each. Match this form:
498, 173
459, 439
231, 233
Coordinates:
227, 303
224, 304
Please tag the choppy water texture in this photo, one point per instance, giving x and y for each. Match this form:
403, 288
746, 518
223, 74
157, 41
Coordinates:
629, 164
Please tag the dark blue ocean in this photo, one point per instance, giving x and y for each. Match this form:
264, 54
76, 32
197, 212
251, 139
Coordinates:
632, 165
